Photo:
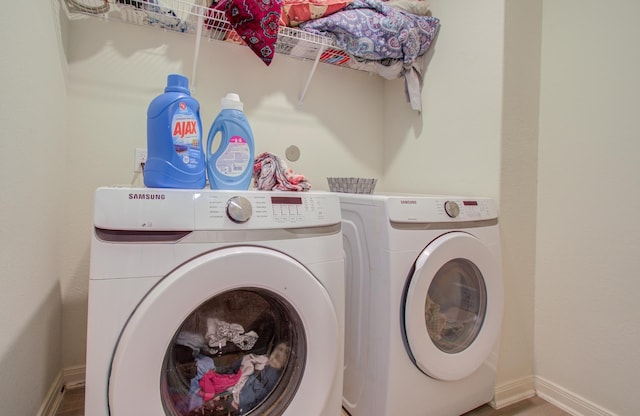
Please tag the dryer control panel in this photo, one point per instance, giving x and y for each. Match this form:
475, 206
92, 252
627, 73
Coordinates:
420, 209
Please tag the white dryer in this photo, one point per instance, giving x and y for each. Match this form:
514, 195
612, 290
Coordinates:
424, 304
215, 303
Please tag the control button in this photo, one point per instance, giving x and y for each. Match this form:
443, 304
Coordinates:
452, 209
239, 209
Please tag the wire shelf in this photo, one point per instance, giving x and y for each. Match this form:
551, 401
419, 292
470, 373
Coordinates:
191, 17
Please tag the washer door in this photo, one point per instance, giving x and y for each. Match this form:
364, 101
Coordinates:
235, 331
453, 307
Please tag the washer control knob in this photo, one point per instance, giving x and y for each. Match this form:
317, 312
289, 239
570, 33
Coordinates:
239, 209
452, 209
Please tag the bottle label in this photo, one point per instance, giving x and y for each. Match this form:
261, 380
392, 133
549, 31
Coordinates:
186, 135
234, 160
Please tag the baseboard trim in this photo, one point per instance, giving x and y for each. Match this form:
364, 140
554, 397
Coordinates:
69, 378
568, 401
74, 376
53, 399
513, 392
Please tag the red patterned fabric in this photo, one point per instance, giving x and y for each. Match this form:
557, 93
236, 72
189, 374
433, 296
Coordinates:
257, 22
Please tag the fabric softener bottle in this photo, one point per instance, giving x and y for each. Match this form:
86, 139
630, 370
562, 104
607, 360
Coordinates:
231, 166
175, 158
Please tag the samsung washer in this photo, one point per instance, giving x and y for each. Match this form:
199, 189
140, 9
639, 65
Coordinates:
215, 302
424, 304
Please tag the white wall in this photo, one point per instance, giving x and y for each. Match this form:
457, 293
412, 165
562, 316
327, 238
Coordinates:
33, 119
588, 237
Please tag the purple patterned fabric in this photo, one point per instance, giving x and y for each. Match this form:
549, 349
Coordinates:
257, 22
371, 30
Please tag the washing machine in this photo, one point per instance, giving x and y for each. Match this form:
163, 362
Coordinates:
215, 303
424, 304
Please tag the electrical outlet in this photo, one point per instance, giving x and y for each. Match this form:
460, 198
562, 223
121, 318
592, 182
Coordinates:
139, 159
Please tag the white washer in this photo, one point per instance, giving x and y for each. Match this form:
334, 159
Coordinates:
424, 304
201, 301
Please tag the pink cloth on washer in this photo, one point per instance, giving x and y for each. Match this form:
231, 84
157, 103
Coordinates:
270, 173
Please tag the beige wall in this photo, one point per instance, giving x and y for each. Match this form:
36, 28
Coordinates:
454, 145
33, 119
588, 236
518, 192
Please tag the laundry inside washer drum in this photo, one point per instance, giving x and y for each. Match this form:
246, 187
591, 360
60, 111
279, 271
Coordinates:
241, 351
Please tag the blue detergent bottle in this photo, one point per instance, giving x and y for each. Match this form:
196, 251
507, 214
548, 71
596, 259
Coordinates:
231, 166
175, 158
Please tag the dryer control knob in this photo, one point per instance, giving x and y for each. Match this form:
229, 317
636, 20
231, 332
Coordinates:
452, 209
239, 209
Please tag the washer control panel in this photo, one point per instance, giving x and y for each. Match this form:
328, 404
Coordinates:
264, 210
149, 209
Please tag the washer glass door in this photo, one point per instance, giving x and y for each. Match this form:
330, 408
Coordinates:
453, 306
241, 350
240, 330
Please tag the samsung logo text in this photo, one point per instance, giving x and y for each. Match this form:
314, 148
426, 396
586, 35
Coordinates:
147, 196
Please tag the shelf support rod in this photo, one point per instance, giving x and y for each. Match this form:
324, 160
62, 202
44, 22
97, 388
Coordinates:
196, 53
313, 70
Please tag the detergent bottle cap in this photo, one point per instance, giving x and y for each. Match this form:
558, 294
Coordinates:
177, 83
231, 101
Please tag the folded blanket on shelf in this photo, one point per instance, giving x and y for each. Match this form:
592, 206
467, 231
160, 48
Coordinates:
270, 173
372, 30
382, 39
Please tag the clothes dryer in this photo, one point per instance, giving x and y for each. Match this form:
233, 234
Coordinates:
215, 303
424, 304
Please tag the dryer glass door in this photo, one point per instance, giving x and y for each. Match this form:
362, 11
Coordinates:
453, 306
240, 330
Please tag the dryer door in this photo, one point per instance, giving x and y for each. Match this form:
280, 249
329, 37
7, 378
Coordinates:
235, 331
453, 306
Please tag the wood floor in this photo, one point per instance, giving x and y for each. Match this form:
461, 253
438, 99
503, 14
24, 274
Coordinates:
534, 406
73, 405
